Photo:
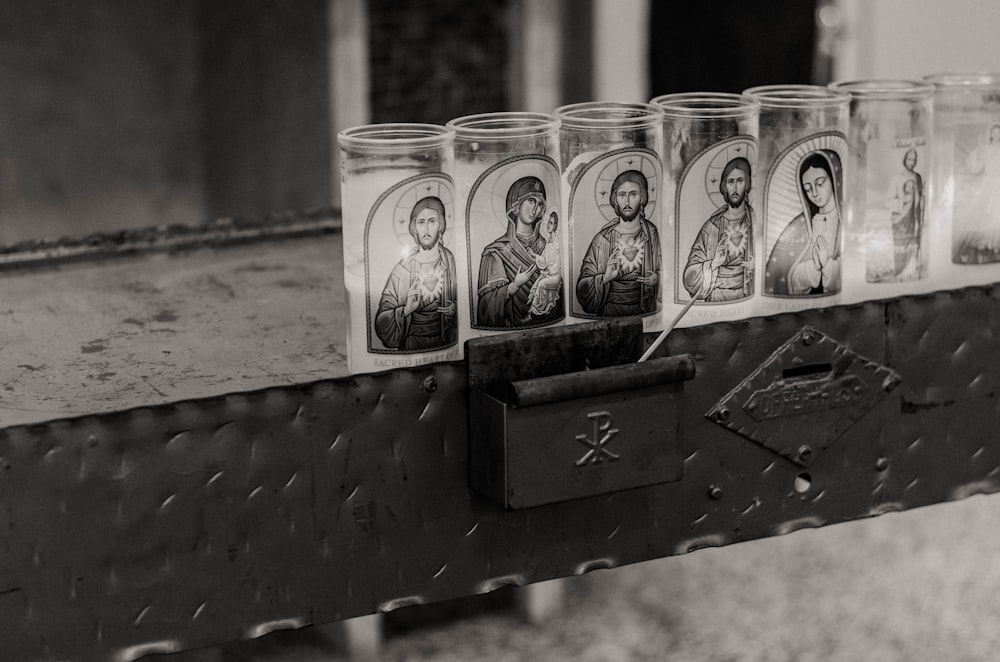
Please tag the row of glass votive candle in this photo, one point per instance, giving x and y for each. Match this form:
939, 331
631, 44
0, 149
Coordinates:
702, 206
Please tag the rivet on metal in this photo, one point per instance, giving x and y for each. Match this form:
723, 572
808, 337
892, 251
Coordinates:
805, 452
881, 464
724, 413
715, 492
808, 339
802, 483
430, 384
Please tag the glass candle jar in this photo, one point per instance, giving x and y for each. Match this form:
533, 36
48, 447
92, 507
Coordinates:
710, 171
400, 238
966, 179
508, 188
612, 187
802, 150
887, 188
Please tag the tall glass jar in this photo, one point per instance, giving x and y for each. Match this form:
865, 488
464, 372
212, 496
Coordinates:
887, 190
966, 178
712, 182
507, 182
803, 148
612, 187
400, 237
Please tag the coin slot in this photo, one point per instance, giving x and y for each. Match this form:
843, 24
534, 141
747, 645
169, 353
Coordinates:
811, 371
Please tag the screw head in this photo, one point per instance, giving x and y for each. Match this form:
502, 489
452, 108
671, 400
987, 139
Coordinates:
805, 452
715, 492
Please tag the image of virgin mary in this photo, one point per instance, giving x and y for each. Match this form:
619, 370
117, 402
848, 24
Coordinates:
805, 261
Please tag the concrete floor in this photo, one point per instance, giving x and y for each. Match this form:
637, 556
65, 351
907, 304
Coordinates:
919, 585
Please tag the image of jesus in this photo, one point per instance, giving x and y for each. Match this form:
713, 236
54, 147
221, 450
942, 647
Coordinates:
418, 305
620, 274
719, 267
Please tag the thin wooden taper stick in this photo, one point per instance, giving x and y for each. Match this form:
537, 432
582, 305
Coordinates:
670, 327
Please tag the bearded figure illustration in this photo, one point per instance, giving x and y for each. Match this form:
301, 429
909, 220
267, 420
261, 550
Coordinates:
719, 267
418, 305
620, 273
905, 200
977, 203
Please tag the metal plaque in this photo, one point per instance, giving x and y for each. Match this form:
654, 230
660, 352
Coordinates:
804, 396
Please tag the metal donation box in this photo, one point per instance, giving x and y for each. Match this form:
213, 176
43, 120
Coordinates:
568, 413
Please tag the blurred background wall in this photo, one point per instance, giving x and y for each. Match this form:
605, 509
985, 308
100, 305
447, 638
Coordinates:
122, 115
99, 116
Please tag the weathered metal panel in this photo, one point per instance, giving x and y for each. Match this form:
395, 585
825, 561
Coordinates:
185, 524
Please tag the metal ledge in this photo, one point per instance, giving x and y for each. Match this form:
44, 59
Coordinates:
176, 524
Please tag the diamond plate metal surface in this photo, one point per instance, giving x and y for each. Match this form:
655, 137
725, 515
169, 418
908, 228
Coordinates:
185, 524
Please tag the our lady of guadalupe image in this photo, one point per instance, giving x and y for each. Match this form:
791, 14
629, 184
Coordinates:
616, 260
806, 258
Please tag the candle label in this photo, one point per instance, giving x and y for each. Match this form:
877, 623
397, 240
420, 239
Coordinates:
514, 240
803, 233
976, 206
411, 287
715, 224
894, 215
614, 249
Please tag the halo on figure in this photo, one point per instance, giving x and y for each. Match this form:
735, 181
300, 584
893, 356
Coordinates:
409, 198
506, 178
632, 161
714, 173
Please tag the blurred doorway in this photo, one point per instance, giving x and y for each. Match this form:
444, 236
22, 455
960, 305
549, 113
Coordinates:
730, 45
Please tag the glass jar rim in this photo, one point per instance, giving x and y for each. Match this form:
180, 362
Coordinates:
965, 79
798, 96
707, 104
504, 125
606, 115
885, 88
396, 136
